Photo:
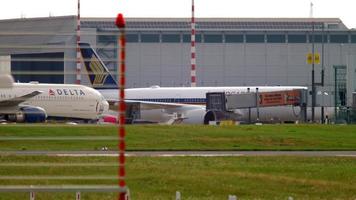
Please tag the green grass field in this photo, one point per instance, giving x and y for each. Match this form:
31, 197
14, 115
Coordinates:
212, 178
156, 137
195, 177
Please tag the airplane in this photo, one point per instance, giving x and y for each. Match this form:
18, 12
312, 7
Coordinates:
34, 102
182, 104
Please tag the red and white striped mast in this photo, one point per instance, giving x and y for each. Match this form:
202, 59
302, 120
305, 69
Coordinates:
192, 51
120, 23
79, 67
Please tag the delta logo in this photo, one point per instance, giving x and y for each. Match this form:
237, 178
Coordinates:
66, 92
51, 92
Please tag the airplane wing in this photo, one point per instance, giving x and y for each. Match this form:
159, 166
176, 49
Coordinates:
17, 100
149, 105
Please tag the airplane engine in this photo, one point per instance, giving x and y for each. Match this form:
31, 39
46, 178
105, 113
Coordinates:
29, 114
201, 116
216, 116
194, 116
204, 117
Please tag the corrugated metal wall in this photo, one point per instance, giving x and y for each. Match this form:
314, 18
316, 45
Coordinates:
223, 63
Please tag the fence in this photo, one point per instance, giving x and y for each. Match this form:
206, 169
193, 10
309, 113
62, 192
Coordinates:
32, 190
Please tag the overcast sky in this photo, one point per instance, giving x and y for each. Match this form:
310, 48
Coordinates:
343, 9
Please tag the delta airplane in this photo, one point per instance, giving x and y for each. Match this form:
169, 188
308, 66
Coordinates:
181, 104
34, 102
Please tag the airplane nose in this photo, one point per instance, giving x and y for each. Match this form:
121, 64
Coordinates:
102, 107
105, 106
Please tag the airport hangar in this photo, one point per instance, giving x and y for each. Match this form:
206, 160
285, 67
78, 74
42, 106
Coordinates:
229, 52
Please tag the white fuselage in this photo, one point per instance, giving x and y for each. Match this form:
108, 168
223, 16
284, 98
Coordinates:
192, 95
58, 100
197, 96
188, 95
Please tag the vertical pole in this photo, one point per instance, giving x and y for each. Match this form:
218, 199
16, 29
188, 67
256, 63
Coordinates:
313, 77
249, 109
120, 23
322, 76
257, 106
232, 197
192, 51
322, 58
304, 104
178, 195
311, 10
79, 67
32, 195
336, 104
77, 196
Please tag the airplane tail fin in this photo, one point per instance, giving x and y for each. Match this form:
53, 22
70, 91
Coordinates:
98, 73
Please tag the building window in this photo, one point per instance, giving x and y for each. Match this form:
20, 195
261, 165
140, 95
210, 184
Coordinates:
339, 38
42, 67
234, 38
333, 26
297, 38
318, 38
150, 38
353, 38
132, 38
212, 38
171, 38
106, 38
187, 38
255, 38
276, 38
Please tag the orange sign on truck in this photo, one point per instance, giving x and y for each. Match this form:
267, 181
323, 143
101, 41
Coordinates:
281, 98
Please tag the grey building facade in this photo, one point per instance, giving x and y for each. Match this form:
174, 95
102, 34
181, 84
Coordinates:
230, 52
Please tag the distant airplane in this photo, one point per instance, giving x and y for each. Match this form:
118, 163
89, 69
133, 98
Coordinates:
34, 102
180, 104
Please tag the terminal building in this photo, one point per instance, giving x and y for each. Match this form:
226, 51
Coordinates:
229, 52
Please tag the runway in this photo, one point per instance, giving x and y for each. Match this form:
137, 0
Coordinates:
182, 153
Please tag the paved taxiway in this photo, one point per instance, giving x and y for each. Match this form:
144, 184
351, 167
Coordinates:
184, 153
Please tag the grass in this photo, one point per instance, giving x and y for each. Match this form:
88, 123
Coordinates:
180, 137
210, 178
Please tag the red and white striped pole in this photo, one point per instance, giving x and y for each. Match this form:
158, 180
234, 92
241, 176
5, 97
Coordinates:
192, 51
120, 23
78, 71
